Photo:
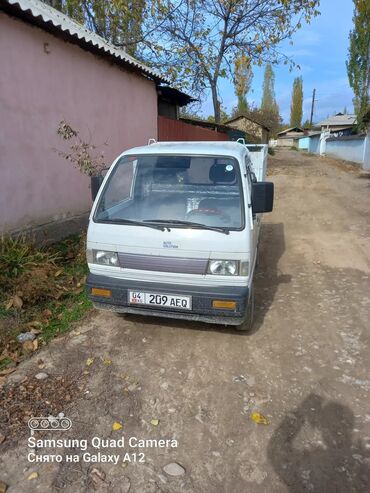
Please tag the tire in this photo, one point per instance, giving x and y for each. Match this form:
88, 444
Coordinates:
247, 325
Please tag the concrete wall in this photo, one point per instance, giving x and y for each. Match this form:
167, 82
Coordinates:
303, 143
43, 80
314, 144
366, 163
286, 142
349, 150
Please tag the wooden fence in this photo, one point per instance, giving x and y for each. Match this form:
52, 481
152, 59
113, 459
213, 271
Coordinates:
176, 130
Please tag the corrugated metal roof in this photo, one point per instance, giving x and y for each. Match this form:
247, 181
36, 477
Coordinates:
247, 117
291, 129
339, 120
50, 16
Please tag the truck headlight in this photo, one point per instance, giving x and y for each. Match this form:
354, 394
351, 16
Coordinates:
223, 267
103, 257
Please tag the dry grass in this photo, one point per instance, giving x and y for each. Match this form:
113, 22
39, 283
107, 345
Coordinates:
41, 290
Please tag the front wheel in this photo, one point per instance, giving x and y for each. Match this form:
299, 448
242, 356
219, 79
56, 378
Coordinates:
247, 325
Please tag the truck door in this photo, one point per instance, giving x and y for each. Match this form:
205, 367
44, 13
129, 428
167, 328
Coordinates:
256, 218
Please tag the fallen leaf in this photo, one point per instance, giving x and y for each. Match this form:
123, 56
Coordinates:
9, 304
2, 438
6, 371
40, 364
260, 419
89, 361
155, 422
116, 426
3, 487
58, 272
28, 346
33, 475
35, 344
35, 331
107, 361
34, 323
97, 476
17, 301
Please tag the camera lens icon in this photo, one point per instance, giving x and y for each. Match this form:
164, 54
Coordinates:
49, 423
65, 423
33, 424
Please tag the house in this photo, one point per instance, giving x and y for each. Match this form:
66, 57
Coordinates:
290, 137
258, 132
54, 69
339, 125
170, 100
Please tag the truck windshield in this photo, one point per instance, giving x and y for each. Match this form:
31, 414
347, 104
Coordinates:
184, 189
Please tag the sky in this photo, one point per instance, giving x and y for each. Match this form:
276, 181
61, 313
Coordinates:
320, 48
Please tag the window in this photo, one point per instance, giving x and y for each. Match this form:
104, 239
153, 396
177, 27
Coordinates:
202, 189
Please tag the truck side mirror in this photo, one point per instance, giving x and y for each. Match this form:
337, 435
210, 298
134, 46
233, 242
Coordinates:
96, 182
262, 196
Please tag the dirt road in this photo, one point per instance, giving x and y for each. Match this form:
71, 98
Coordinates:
305, 367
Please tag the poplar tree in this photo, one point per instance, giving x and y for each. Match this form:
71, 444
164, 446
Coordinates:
268, 96
243, 76
296, 107
358, 62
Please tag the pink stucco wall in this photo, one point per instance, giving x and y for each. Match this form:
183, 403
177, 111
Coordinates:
41, 85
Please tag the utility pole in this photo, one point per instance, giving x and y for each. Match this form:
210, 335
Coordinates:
312, 106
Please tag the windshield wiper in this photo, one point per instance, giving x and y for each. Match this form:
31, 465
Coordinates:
188, 223
135, 223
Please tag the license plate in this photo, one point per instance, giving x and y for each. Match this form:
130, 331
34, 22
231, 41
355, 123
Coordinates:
160, 299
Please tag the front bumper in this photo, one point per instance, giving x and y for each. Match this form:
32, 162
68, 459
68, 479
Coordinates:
202, 297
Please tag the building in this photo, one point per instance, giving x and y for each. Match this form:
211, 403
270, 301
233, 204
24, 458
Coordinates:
339, 124
290, 137
54, 69
170, 100
307, 140
258, 133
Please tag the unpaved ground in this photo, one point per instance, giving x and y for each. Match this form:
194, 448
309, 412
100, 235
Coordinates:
305, 366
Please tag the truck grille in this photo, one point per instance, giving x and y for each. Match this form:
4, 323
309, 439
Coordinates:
159, 263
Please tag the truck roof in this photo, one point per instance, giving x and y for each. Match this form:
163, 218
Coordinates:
233, 149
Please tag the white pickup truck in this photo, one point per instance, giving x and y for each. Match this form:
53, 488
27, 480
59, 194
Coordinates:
174, 230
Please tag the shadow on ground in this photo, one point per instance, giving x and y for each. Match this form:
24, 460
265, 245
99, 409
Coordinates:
313, 449
267, 276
